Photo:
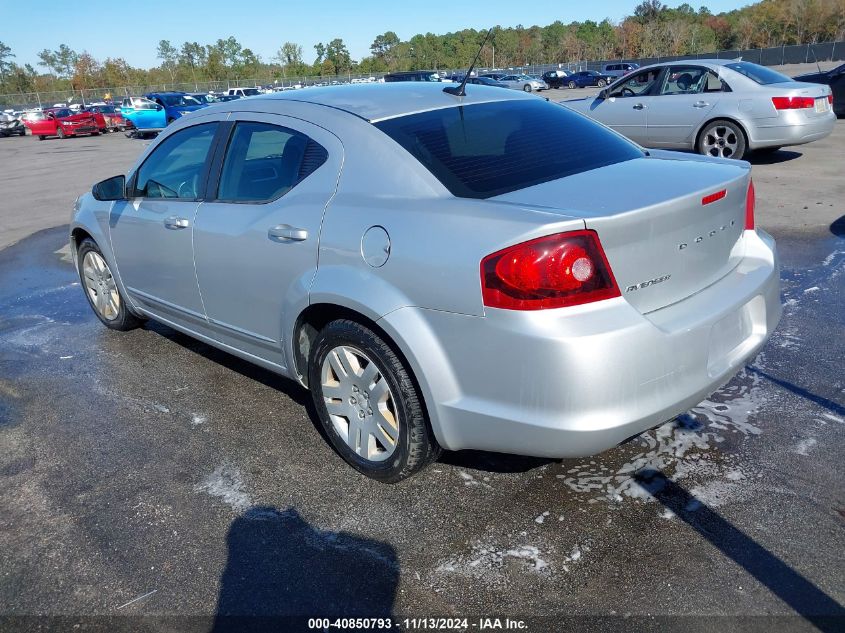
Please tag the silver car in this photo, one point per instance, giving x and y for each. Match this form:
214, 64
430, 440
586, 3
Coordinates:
404, 254
523, 82
716, 107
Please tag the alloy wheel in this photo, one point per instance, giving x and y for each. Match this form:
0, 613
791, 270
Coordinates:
721, 141
100, 286
360, 403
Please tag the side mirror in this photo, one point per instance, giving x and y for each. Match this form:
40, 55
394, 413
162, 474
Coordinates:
159, 108
113, 188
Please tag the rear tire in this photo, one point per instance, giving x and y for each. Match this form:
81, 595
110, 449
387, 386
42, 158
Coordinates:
396, 402
527, 88
572, 85
101, 289
722, 138
41, 137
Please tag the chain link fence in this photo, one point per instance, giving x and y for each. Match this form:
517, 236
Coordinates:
778, 56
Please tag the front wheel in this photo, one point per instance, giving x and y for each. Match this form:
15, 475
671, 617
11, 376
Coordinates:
368, 403
601, 83
60, 132
723, 139
101, 288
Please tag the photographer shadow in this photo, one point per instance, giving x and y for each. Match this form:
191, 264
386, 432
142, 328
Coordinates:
281, 571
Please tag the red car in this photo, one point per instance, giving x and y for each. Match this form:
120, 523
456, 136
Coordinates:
108, 117
63, 122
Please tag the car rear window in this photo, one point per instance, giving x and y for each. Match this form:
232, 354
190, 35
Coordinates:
759, 74
489, 149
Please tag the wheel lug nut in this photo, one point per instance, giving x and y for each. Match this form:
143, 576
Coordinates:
353, 401
361, 415
370, 411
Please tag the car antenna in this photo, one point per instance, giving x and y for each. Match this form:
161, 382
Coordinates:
819, 68
460, 91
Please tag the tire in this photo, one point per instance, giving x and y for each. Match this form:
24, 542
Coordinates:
572, 85
60, 132
171, 120
414, 445
41, 137
96, 282
722, 138
97, 133
601, 83
527, 87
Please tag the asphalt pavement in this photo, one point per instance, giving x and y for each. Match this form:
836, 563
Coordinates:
151, 482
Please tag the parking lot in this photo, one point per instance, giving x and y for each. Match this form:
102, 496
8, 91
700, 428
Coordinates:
145, 473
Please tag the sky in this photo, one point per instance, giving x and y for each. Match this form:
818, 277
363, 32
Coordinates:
264, 25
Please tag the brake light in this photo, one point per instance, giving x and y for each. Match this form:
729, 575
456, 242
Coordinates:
793, 103
750, 203
830, 98
714, 196
554, 271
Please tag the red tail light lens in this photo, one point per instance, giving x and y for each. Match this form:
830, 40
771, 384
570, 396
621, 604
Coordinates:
555, 271
793, 103
750, 203
830, 98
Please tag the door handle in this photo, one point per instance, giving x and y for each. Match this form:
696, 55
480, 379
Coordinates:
700, 104
287, 232
176, 223
638, 106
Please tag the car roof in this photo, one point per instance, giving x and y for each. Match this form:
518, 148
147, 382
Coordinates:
375, 102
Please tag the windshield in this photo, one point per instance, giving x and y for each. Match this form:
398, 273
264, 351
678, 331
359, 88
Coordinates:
759, 74
179, 100
488, 149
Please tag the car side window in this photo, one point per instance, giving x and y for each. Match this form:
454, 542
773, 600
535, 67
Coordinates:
684, 80
636, 85
264, 161
175, 168
715, 84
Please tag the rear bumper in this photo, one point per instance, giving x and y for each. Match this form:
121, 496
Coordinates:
790, 128
576, 381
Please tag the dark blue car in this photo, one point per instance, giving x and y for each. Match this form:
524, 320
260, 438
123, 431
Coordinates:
175, 104
585, 78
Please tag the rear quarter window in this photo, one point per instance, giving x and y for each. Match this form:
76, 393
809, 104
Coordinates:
758, 74
489, 149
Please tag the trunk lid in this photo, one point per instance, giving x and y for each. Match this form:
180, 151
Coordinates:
662, 242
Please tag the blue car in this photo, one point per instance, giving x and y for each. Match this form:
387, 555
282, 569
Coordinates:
146, 116
586, 78
175, 104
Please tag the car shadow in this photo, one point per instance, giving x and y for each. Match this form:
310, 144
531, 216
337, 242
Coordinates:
837, 227
490, 462
804, 597
281, 571
772, 158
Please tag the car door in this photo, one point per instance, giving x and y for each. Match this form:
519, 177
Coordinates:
44, 127
151, 231
626, 107
149, 115
686, 97
256, 240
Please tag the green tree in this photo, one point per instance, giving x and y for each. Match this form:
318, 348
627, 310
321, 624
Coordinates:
5, 55
169, 57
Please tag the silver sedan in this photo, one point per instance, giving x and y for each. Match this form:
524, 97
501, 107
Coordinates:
403, 253
716, 107
523, 82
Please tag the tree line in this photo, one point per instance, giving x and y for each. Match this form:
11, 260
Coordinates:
653, 29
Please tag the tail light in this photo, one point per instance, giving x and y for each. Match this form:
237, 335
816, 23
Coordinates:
750, 203
793, 103
830, 98
554, 271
